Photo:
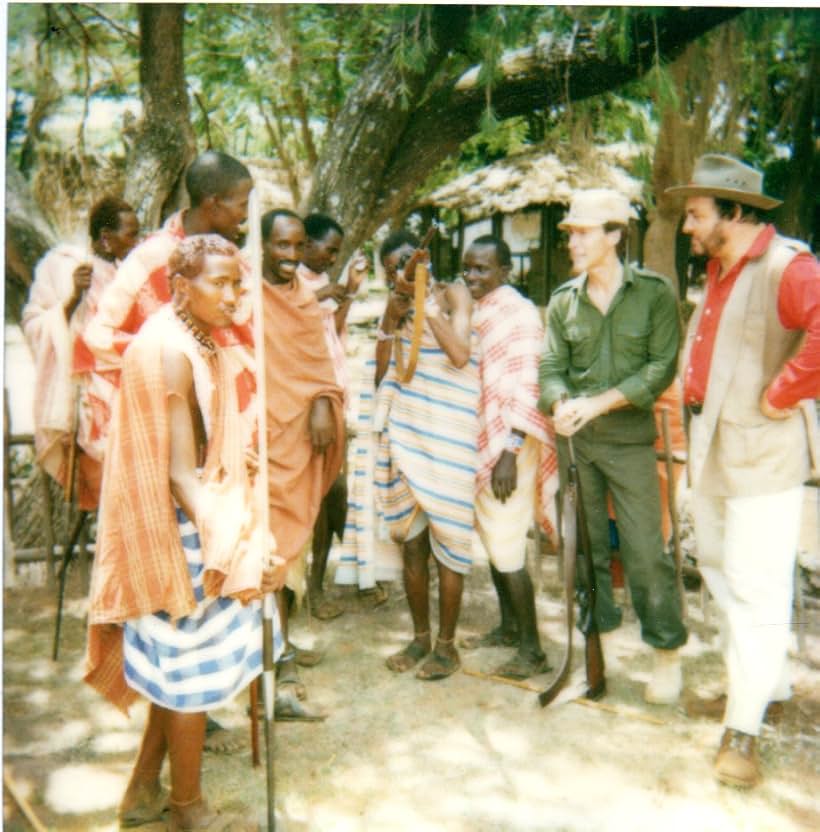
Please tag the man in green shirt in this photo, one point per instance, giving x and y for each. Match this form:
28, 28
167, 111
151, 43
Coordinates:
611, 349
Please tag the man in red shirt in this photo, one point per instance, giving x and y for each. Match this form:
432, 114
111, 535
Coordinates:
752, 354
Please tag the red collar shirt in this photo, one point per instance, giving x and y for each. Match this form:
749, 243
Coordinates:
798, 308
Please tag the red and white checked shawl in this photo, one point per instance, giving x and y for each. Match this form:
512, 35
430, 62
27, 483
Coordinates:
53, 341
511, 339
140, 287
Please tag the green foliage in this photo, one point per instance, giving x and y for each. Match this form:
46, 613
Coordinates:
270, 79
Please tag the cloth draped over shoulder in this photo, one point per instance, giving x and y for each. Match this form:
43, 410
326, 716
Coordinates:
335, 340
511, 338
299, 370
141, 286
51, 338
140, 566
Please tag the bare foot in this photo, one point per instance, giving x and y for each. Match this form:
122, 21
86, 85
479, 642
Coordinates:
141, 805
410, 655
223, 741
492, 638
198, 817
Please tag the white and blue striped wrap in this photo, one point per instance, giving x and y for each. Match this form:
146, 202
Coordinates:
427, 455
200, 661
367, 554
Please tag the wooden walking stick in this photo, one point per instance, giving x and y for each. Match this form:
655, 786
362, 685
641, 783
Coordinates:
261, 495
79, 523
671, 496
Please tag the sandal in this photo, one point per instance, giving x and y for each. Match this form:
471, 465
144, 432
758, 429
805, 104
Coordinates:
410, 655
286, 674
493, 638
373, 597
306, 658
439, 666
288, 708
325, 609
521, 667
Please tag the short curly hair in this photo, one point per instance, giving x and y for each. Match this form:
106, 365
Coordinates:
105, 213
188, 258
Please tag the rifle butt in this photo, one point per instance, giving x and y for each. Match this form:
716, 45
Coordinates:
594, 658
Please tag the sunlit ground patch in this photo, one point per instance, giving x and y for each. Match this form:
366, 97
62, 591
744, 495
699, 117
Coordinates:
77, 790
41, 669
115, 742
12, 635
38, 698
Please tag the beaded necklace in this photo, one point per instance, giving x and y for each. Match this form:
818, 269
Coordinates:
206, 343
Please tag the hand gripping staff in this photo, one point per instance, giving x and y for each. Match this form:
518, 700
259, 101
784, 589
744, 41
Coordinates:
578, 557
261, 492
417, 273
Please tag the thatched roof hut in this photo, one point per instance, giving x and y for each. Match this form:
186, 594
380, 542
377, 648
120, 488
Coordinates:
523, 198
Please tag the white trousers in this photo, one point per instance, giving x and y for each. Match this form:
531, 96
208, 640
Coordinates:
747, 548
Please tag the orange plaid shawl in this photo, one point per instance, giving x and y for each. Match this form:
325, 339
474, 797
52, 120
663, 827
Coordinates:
140, 566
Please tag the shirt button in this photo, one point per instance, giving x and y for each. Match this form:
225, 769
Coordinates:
699, 338
708, 311
689, 370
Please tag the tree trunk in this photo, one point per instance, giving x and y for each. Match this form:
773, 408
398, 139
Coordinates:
351, 178
379, 152
797, 217
165, 142
28, 238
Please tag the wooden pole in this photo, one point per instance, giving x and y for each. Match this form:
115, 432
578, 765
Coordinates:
261, 493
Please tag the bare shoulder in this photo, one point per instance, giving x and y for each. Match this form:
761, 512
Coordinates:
177, 370
458, 296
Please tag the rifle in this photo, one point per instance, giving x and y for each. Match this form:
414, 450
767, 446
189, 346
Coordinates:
671, 494
415, 273
575, 535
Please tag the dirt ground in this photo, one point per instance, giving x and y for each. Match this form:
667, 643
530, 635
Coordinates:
399, 754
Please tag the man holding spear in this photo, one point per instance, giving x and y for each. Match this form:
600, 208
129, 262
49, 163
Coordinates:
68, 283
182, 556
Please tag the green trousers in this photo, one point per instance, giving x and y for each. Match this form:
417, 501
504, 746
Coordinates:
629, 474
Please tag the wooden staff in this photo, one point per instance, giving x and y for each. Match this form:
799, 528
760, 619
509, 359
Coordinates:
261, 494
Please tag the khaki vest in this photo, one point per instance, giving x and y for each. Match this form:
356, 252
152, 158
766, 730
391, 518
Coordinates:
735, 451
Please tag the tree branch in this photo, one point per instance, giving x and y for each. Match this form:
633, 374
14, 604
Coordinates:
536, 79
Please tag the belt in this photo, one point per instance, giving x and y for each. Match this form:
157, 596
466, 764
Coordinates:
695, 408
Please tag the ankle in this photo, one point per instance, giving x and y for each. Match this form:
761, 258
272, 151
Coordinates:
185, 804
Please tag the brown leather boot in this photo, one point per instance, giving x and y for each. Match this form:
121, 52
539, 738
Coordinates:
715, 708
737, 763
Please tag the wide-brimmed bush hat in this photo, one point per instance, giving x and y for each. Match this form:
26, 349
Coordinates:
724, 177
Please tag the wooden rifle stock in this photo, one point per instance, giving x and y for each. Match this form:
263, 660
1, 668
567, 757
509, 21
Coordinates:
594, 654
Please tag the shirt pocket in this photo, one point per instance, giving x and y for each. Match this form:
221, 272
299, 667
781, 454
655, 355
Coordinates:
631, 340
583, 339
